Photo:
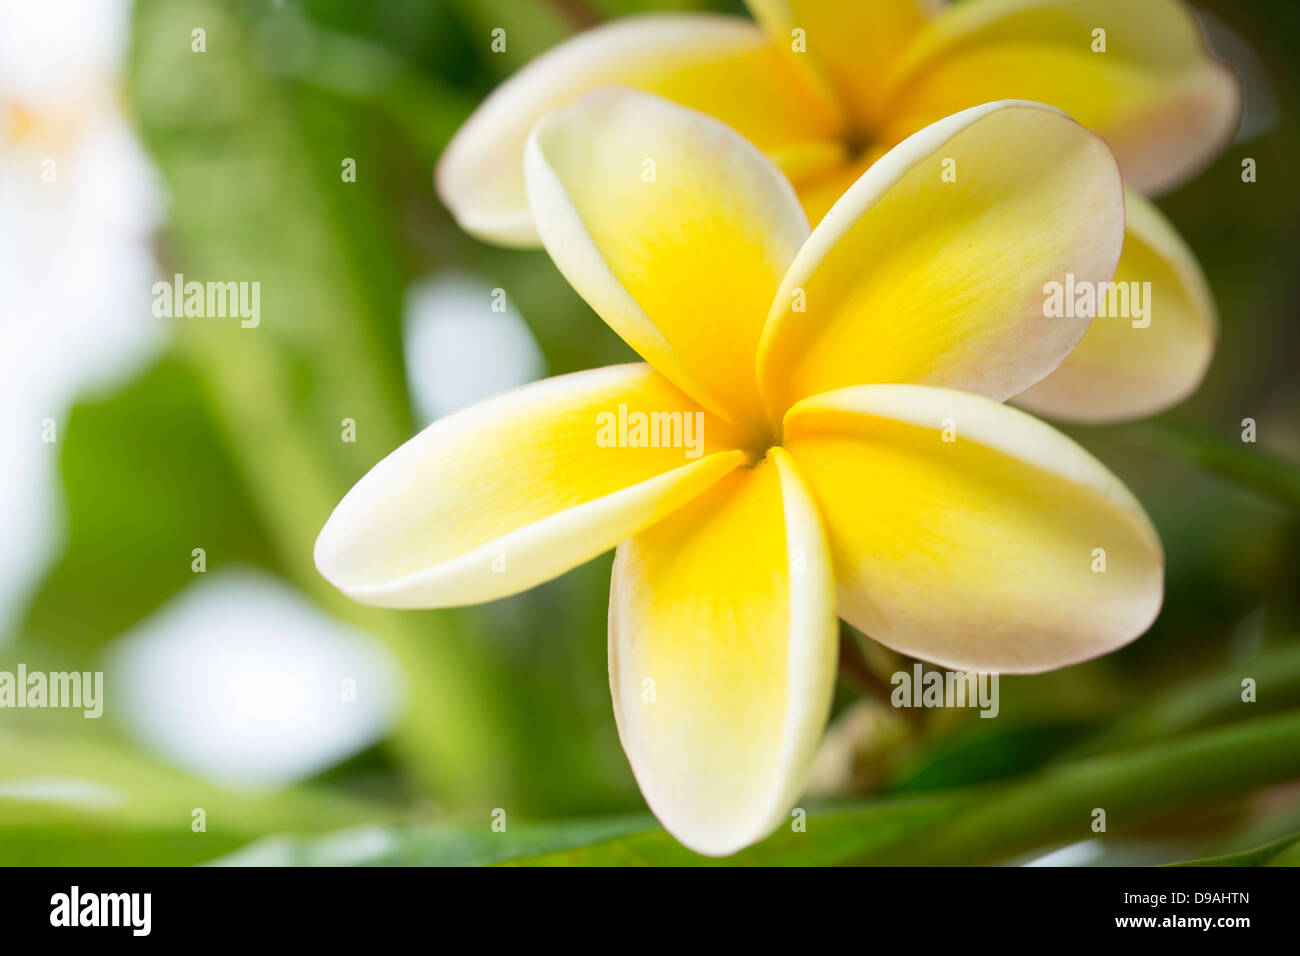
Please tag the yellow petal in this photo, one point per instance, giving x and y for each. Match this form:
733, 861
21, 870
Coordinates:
818, 193
981, 553
517, 489
675, 230
1157, 96
1129, 366
720, 65
852, 42
915, 278
810, 162
722, 653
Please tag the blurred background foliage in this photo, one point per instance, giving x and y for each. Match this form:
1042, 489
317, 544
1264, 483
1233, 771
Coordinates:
230, 440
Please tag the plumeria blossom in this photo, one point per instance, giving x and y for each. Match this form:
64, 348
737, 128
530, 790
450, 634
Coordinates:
856, 460
826, 87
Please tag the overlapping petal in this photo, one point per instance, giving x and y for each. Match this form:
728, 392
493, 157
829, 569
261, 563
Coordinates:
1128, 365
1164, 104
675, 230
515, 490
722, 651
1008, 548
723, 66
852, 42
931, 268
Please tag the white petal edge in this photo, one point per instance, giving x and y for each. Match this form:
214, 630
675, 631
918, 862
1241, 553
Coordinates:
812, 663
1029, 441
499, 126
537, 552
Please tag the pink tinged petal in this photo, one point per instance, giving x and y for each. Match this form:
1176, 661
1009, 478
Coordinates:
1156, 94
1131, 365
972, 535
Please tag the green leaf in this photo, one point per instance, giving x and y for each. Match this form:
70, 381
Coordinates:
1212, 700
834, 836
950, 827
529, 28
1134, 787
132, 524
1283, 852
611, 841
71, 800
252, 162
450, 844
975, 754
428, 110
1272, 477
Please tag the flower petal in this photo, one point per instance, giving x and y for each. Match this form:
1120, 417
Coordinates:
721, 65
979, 553
852, 42
819, 194
515, 490
914, 278
722, 653
1164, 104
1119, 371
675, 230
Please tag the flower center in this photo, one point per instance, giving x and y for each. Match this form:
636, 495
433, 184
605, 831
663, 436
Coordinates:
858, 140
756, 451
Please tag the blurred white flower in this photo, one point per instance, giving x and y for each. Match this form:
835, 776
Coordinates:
79, 205
463, 342
243, 682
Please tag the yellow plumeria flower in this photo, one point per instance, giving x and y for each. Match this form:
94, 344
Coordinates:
841, 468
826, 87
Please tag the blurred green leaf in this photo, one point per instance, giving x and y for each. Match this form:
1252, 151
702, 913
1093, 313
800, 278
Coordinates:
253, 165
1212, 700
975, 755
1134, 787
69, 801
1268, 475
528, 28
131, 523
1284, 852
450, 844
961, 826
427, 110
616, 841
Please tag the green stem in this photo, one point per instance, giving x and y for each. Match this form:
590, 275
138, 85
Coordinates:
1133, 788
